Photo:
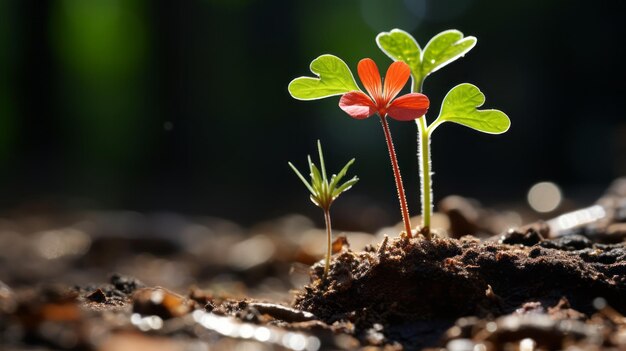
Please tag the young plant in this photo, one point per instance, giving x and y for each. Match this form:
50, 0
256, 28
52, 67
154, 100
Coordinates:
460, 105
324, 192
335, 78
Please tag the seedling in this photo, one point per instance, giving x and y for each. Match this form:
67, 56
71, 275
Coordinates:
460, 105
324, 192
335, 78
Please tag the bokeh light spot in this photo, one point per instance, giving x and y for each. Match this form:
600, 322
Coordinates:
544, 197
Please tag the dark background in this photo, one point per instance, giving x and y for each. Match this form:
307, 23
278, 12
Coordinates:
183, 105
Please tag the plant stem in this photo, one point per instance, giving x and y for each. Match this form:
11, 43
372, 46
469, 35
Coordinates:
424, 157
424, 163
328, 241
417, 85
396, 173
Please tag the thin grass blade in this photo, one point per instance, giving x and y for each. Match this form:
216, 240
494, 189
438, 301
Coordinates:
308, 186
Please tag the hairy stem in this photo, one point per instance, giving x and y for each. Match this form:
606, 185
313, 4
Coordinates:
424, 158
424, 163
328, 242
396, 173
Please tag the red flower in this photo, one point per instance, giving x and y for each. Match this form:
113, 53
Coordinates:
381, 100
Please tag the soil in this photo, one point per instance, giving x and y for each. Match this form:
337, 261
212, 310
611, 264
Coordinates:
404, 283
208, 284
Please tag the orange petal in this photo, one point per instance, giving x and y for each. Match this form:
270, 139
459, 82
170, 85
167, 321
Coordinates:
408, 107
395, 79
370, 77
357, 105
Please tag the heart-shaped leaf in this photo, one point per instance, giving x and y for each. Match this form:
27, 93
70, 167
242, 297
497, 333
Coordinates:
461, 106
444, 48
401, 46
335, 78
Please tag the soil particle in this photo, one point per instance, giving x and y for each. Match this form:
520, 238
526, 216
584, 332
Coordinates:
568, 243
160, 302
97, 296
527, 237
209, 306
125, 284
563, 310
117, 293
339, 244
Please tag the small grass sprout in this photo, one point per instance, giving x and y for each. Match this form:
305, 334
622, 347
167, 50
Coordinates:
324, 192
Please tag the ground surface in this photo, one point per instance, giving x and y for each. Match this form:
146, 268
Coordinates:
208, 284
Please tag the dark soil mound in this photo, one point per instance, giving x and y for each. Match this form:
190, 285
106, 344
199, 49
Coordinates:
406, 280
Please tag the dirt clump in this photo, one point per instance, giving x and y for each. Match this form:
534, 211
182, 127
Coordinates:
407, 280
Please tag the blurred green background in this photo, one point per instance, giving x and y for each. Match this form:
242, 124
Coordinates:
183, 105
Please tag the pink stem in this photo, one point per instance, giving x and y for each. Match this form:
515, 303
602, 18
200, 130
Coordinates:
396, 173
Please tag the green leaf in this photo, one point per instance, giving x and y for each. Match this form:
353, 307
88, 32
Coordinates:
334, 78
461, 106
316, 201
308, 186
443, 49
401, 46
337, 178
316, 178
345, 187
321, 155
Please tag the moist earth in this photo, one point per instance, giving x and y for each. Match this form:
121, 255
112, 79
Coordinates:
548, 285
406, 285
